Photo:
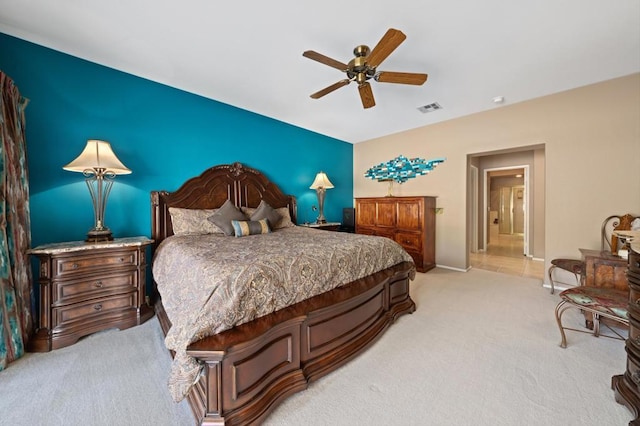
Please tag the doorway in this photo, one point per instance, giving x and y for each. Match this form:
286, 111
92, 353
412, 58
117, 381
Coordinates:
505, 205
506, 229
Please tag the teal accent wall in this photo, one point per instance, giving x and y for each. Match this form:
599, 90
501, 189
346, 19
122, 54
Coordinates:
164, 135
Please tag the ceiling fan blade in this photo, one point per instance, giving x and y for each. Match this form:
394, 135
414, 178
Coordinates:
401, 77
366, 95
325, 60
387, 44
330, 89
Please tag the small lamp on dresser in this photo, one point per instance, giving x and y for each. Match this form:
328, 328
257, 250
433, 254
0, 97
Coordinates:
100, 166
321, 184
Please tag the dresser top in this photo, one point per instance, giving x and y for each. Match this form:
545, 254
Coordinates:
71, 246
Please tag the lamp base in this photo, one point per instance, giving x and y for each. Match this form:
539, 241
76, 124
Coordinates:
321, 221
99, 235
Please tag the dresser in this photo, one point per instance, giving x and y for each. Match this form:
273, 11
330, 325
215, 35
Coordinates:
627, 385
88, 287
410, 221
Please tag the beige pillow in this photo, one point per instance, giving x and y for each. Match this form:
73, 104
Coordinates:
192, 221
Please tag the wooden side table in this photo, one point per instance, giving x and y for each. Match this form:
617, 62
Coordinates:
329, 226
604, 269
88, 287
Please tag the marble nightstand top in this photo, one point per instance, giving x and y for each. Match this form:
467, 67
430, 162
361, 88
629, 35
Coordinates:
71, 246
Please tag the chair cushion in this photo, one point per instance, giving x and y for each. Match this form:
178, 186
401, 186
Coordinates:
572, 265
606, 300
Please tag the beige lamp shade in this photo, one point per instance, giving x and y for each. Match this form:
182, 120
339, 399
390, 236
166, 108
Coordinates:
97, 155
321, 181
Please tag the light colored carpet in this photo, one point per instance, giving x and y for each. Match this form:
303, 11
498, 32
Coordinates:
481, 349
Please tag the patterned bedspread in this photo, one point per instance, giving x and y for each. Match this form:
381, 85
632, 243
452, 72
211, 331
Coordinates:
210, 283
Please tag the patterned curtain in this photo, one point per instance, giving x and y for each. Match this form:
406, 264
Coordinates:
16, 318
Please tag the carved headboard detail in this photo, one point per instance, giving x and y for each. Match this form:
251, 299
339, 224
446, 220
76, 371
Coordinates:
242, 185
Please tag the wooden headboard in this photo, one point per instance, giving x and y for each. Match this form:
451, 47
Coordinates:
244, 186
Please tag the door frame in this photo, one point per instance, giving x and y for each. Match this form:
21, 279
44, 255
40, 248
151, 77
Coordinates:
475, 173
485, 205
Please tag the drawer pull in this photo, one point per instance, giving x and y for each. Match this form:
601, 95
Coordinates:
98, 284
636, 377
97, 307
121, 259
74, 266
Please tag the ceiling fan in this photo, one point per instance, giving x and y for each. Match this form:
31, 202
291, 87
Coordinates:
363, 67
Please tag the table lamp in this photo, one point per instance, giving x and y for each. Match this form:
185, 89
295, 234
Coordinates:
100, 166
321, 184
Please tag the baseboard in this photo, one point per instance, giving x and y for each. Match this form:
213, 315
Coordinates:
454, 269
556, 287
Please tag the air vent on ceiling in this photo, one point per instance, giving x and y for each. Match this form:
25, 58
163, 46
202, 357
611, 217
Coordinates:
429, 108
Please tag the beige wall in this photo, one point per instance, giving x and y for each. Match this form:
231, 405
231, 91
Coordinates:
591, 137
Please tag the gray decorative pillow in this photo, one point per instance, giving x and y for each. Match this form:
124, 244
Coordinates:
192, 221
285, 222
225, 214
265, 211
243, 228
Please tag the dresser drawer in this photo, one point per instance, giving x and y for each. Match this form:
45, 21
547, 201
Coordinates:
634, 329
417, 258
92, 308
68, 291
89, 263
634, 292
411, 242
633, 366
378, 232
634, 262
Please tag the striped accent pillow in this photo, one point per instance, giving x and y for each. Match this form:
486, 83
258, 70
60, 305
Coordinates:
243, 228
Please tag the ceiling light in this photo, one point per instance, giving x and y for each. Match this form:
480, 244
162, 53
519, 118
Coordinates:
498, 99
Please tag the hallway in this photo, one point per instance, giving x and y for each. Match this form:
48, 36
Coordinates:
506, 256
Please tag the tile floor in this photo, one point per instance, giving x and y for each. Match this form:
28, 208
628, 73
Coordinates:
505, 255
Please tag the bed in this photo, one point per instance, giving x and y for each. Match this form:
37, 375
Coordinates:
253, 362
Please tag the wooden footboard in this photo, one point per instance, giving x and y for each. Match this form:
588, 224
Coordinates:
251, 368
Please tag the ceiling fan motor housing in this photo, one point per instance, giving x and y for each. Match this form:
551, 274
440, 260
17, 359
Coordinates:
358, 68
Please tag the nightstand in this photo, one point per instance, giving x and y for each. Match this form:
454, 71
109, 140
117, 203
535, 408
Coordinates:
328, 226
88, 287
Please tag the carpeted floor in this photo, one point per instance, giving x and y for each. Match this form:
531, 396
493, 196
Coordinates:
481, 349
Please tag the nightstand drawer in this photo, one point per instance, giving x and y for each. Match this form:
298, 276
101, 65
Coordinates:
99, 261
409, 241
95, 307
71, 290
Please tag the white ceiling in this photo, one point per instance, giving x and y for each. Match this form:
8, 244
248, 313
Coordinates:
249, 53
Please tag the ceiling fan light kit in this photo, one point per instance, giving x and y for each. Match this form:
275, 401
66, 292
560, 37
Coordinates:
363, 67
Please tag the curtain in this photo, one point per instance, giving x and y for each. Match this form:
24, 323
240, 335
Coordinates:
16, 288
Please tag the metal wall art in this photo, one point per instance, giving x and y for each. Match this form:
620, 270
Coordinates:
401, 169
